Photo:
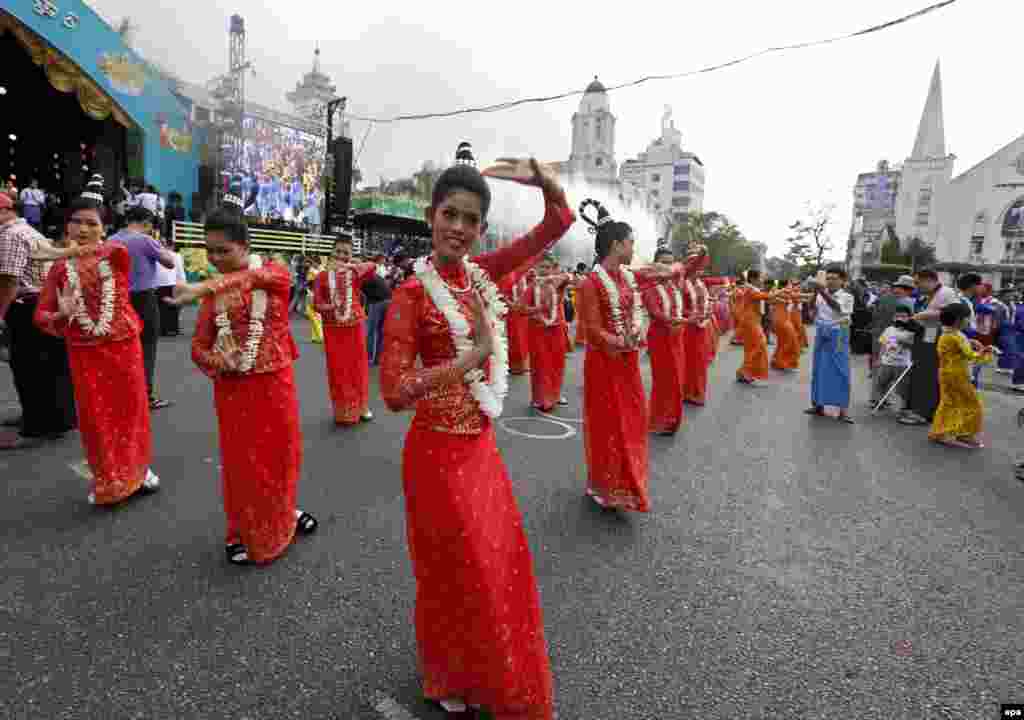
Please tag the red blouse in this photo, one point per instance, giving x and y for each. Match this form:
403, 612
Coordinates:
415, 328
277, 348
124, 324
656, 307
324, 304
549, 292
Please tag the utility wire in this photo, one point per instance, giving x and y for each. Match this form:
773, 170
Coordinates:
711, 68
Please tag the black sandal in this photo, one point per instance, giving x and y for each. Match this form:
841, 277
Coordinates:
820, 412
306, 524
845, 419
237, 554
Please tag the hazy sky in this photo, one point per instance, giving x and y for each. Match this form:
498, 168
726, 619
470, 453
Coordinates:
774, 134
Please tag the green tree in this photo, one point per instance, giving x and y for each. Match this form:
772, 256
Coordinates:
811, 236
891, 253
918, 254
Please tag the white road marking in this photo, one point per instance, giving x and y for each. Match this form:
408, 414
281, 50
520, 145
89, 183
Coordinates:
389, 708
569, 430
560, 418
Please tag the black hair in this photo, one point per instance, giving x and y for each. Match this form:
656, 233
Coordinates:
138, 215
84, 203
462, 177
607, 231
228, 220
927, 273
347, 239
662, 251
581, 267
953, 314
837, 270
753, 275
968, 281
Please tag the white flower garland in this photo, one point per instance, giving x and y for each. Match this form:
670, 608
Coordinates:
346, 311
490, 396
552, 318
106, 317
518, 289
258, 312
674, 312
639, 315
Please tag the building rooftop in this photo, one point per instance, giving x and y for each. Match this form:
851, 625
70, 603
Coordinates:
596, 87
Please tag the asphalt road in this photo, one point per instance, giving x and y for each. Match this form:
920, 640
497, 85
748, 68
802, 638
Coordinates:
792, 568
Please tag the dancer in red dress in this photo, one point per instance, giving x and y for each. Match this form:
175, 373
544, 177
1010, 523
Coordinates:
697, 340
513, 289
614, 407
665, 304
336, 299
548, 334
85, 301
243, 343
479, 629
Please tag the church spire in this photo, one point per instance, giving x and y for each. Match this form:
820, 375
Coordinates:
931, 137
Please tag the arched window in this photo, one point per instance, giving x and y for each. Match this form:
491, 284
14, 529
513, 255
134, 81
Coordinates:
980, 223
598, 129
1013, 222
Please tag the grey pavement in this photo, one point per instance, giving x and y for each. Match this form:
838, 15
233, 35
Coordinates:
792, 568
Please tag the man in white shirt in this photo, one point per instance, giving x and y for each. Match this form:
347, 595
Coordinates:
149, 200
830, 375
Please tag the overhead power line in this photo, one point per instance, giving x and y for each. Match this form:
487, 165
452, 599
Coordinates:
651, 78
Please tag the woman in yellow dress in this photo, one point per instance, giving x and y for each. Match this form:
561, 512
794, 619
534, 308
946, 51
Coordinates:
958, 418
316, 325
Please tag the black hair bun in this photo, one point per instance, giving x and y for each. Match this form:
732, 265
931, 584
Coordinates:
464, 155
602, 217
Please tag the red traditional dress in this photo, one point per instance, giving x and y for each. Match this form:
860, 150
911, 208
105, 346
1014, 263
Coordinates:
751, 334
665, 304
548, 341
336, 298
697, 337
614, 407
105, 355
246, 321
478, 620
513, 289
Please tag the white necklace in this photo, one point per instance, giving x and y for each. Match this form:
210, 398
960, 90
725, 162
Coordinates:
518, 289
489, 395
673, 311
103, 323
225, 340
346, 306
614, 300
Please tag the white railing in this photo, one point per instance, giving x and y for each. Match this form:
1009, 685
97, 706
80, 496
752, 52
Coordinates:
273, 241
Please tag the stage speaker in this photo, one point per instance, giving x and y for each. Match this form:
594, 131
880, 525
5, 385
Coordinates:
207, 180
342, 196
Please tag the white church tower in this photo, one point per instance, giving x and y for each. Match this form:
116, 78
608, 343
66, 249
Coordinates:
593, 138
926, 173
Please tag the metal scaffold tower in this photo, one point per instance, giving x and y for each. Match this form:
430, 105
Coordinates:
229, 91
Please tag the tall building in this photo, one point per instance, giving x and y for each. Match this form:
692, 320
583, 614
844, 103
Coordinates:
874, 216
975, 221
593, 138
926, 172
310, 97
671, 178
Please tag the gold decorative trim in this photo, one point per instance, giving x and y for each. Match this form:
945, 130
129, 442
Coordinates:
65, 75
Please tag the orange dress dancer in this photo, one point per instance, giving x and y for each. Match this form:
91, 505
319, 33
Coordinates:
734, 307
336, 298
787, 349
748, 328
548, 340
665, 305
105, 353
796, 319
513, 289
479, 629
697, 338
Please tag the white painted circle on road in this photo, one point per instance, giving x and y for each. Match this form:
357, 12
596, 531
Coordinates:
568, 430
559, 418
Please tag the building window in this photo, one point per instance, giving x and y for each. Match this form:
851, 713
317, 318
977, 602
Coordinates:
655, 177
654, 193
922, 218
681, 186
979, 226
977, 246
681, 169
869, 247
599, 162
681, 201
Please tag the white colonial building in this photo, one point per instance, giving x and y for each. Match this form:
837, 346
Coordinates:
974, 221
671, 178
593, 138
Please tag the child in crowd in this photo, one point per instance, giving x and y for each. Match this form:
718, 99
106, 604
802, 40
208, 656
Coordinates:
895, 345
958, 418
